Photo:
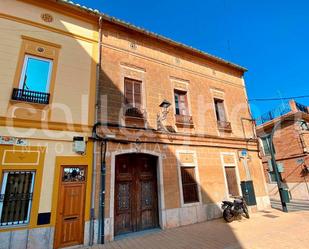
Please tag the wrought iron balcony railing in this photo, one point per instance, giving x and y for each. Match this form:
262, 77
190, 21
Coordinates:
284, 108
184, 120
134, 112
30, 96
301, 107
224, 126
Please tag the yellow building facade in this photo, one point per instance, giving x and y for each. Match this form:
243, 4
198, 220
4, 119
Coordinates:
48, 53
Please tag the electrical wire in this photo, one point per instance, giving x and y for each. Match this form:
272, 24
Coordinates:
274, 99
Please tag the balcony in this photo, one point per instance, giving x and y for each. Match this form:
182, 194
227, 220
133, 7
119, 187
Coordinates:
135, 117
284, 108
134, 112
30, 96
224, 126
184, 120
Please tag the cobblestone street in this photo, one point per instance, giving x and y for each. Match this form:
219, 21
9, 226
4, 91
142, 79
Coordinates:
267, 229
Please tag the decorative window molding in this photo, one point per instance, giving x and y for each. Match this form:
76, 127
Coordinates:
36, 51
46, 17
220, 110
180, 87
188, 158
228, 160
137, 114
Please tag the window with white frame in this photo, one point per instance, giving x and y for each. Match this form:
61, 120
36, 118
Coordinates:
303, 125
36, 74
16, 197
266, 145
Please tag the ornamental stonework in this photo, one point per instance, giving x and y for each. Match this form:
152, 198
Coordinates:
47, 17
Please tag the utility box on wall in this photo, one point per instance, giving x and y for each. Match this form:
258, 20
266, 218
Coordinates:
248, 192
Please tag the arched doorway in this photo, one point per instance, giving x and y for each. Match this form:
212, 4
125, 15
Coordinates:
136, 195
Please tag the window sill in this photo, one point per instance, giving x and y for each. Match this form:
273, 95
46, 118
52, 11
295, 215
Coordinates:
134, 117
184, 121
224, 126
192, 204
13, 227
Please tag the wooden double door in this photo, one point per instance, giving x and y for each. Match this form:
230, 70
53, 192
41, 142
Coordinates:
136, 198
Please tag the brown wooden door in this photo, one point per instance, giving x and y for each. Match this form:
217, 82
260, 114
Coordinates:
70, 212
136, 203
231, 179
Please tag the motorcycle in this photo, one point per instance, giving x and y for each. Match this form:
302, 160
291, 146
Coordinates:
235, 210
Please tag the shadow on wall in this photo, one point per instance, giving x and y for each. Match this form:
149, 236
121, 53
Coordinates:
180, 197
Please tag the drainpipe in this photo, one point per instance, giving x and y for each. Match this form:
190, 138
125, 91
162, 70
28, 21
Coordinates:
94, 172
103, 148
102, 190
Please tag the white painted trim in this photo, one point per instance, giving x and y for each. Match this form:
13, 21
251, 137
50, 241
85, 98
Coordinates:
227, 117
32, 164
3, 187
235, 165
132, 67
186, 84
160, 184
25, 65
267, 137
195, 165
182, 81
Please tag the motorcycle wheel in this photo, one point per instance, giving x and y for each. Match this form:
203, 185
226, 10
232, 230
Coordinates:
245, 208
227, 215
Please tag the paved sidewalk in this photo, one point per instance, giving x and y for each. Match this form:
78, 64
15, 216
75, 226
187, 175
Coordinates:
271, 229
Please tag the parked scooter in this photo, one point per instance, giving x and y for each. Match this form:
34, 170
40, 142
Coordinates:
235, 210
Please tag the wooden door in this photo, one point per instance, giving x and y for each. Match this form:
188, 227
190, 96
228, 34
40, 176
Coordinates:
146, 193
71, 204
136, 203
231, 179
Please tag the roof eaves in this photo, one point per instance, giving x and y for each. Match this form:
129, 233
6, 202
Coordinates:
81, 7
170, 41
152, 34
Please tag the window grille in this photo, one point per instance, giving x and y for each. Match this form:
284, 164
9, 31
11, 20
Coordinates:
16, 197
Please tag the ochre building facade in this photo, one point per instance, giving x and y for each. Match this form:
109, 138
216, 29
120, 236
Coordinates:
175, 122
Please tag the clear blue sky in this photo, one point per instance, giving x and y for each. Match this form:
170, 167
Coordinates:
270, 38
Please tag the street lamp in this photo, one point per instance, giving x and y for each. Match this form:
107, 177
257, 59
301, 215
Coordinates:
282, 191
